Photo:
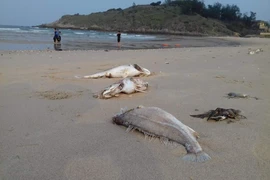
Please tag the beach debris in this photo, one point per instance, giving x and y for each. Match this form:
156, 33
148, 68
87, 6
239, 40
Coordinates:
165, 45
156, 123
220, 77
220, 114
239, 95
123, 71
251, 52
126, 85
258, 50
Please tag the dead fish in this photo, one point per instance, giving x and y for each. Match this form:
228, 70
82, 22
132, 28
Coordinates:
239, 95
127, 86
155, 122
220, 114
123, 71
258, 50
251, 52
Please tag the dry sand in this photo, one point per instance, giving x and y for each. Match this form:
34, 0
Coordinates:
52, 128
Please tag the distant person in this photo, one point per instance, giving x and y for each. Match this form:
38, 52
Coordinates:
57, 37
118, 39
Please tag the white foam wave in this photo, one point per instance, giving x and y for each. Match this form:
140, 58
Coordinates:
39, 31
10, 29
79, 33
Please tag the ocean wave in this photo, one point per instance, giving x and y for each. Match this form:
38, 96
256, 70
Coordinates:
133, 36
79, 33
10, 29
40, 31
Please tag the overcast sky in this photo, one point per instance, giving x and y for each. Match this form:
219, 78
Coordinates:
35, 12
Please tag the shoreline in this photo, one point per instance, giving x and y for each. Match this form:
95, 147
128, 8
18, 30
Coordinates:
92, 44
128, 31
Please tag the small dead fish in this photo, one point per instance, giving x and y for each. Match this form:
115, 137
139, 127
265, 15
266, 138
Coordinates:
123, 71
156, 122
127, 86
220, 114
251, 52
258, 50
239, 95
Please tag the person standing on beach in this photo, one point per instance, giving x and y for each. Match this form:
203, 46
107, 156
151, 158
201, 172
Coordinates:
118, 39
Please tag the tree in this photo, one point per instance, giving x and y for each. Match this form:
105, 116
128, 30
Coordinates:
213, 11
155, 3
230, 13
249, 20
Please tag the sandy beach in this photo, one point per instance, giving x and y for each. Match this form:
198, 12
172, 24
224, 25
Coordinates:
52, 128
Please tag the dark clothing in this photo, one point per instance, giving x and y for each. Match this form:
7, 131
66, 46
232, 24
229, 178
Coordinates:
57, 36
118, 37
56, 33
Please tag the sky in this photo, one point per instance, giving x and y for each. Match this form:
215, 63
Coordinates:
36, 12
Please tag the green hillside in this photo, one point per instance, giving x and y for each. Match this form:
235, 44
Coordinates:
167, 18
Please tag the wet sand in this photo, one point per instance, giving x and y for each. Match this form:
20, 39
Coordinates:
52, 128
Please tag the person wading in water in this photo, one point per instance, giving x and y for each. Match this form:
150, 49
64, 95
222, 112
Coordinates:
119, 39
57, 37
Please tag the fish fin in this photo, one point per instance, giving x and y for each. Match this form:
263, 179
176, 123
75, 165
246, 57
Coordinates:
129, 128
164, 140
197, 157
194, 133
140, 91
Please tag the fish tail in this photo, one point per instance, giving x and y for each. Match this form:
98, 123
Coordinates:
93, 76
82, 77
197, 157
97, 75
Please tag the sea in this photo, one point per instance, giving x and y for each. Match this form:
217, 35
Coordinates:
36, 38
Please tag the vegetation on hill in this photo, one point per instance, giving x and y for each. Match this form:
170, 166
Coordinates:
186, 17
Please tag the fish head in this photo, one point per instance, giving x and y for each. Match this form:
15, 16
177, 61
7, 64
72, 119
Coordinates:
146, 72
112, 90
143, 71
119, 120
